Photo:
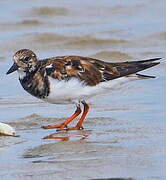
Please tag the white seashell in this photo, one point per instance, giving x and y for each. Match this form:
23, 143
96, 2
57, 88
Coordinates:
6, 129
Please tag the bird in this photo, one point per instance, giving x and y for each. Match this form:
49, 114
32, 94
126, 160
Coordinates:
73, 79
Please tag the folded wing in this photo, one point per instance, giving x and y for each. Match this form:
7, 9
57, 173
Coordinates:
93, 71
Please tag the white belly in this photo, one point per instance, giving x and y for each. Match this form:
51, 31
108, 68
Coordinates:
72, 91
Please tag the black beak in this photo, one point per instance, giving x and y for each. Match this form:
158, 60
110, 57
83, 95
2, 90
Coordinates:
13, 68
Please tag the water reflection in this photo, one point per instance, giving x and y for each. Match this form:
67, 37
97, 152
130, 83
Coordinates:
79, 135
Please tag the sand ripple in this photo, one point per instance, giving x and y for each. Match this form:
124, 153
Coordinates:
114, 55
29, 22
49, 11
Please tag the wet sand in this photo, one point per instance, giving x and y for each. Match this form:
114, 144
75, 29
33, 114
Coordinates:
124, 135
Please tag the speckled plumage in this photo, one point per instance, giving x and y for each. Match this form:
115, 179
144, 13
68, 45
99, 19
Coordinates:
71, 79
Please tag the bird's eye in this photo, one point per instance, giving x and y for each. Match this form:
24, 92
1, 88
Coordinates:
69, 63
26, 58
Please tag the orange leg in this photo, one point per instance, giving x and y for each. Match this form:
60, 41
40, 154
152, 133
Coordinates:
81, 121
66, 122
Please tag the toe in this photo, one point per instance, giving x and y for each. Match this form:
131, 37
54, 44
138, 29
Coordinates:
75, 128
56, 126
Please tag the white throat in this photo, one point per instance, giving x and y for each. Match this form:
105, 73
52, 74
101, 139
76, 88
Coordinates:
21, 73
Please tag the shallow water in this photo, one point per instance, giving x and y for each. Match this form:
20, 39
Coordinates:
125, 131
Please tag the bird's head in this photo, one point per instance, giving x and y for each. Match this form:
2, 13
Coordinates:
25, 60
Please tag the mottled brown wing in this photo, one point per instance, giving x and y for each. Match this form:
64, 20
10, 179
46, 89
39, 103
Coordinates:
66, 67
93, 71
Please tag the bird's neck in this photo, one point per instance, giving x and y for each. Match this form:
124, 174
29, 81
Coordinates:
35, 82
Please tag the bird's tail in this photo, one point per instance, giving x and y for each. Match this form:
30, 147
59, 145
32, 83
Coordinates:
146, 63
143, 76
131, 67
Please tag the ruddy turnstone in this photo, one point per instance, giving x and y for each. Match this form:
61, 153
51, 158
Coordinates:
72, 79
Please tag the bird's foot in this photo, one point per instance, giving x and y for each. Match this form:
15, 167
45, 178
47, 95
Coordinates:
77, 127
61, 126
